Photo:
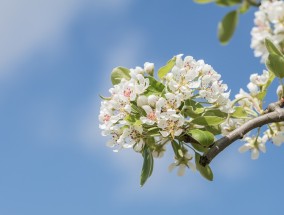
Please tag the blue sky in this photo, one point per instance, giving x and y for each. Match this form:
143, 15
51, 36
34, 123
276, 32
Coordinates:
56, 57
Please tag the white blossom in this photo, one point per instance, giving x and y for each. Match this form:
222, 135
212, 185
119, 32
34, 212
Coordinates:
182, 163
275, 132
171, 102
142, 100
268, 24
149, 68
254, 144
151, 117
260, 80
171, 124
132, 137
152, 99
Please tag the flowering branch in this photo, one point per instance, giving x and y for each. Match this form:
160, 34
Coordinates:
187, 104
273, 113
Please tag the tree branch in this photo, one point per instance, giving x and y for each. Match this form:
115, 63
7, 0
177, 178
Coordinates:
273, 113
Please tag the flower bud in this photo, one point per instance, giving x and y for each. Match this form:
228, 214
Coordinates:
253, 88
149, 68
279, 91
152, 99
142, 100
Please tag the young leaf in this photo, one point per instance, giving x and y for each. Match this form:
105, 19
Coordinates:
239, 113
226, 27
119, 73
228, 2
244, 7
167, 68
155, 87
191, 112
199, 147
176, 148
205, 138
105, 98
203, 1
130, 118
275, 64
208, 120
271, 48
214, 129
148, 164
192, 108
215, 112
206, 171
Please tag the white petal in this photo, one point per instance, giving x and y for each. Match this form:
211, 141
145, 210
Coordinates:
142, 100
191, 166
178, 132
152, 99
254, 154
110, 144
262, 147
171, 167
244, 148
164, 133
147, 109
181, 170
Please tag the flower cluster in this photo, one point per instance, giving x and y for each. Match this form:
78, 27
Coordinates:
145, 113
189, 78
249, 102
275, 132
252, 103
269, 23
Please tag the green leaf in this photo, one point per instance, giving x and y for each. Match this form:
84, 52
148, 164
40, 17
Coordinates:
191, 112
193, 103
208, 120
205, 138
239, 113
244, 7
227, 2
153, 131
105, 98
138, 122
206, 171
215, 112
167, 68
199, 147
260, 95
226, 27
192, 109
135, 109
148, 165
130, 118
272, 48
275, 64
214, 129
176, 148
155, 87
203, 1
118, 74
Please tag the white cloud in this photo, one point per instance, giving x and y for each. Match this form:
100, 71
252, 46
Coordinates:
27, 25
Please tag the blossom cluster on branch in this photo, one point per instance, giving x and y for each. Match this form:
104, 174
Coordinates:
187, 106
269, 23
